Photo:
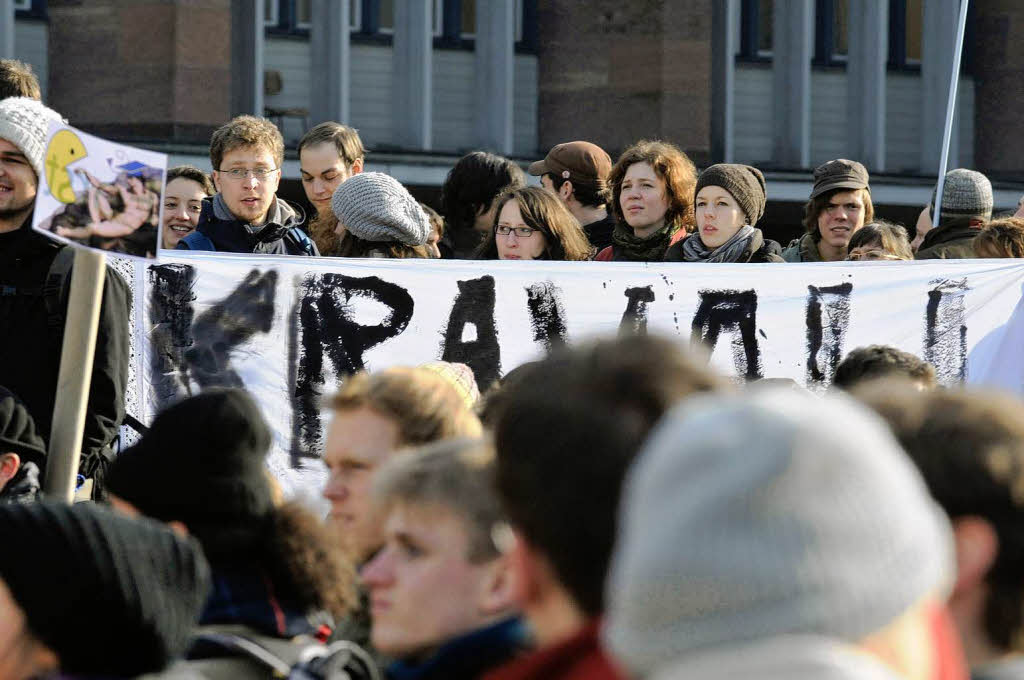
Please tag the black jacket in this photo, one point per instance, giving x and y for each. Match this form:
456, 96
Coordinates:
600, 233
278, 237
30, 343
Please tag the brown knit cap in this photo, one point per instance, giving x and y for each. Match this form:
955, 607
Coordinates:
745, 183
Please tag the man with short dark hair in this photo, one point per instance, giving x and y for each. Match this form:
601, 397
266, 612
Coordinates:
246, 216
35, 276
18, 80
883, 361
966, 207
839, 205
578, 173
565, 431
969, 447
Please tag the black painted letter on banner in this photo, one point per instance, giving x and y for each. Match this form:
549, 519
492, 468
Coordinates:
474, 306
170, 320
634, 319
547, 314
945, 334
732, 311
828, 317
222, 328
326, 326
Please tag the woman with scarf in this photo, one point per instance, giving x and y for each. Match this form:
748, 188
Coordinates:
730, 199
652, 197
533, 224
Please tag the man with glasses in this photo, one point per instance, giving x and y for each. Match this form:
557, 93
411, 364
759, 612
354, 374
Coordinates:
246, 216
839, 205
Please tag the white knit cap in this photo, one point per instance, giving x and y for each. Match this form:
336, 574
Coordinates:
376, 207
25, 123
769, 514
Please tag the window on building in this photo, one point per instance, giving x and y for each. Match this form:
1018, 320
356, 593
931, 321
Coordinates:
756, 29
468, 19
831, 31
296, 16
386, 22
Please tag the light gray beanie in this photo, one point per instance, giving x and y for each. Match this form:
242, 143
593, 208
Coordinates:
768, 514
376, 207
25, 123
965, 193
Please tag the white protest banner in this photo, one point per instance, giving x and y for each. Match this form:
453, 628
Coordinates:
100, 194
287, 328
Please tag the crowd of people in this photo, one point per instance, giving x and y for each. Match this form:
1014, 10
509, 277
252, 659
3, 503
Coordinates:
615, 509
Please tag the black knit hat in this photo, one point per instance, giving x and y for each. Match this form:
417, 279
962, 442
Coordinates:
201, 463
18, 430
109, 595
743, 182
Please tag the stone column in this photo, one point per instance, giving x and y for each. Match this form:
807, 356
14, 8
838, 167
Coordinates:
495, 61
724, 20
7, 29
938, 36
247, 57
998, 87
865, 82
147, 69
793, 33
412, 78
330, 61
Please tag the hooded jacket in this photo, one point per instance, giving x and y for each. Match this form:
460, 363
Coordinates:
803, 249
280, 235
949, 241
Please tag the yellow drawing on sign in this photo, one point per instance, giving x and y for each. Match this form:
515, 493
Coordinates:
65, 148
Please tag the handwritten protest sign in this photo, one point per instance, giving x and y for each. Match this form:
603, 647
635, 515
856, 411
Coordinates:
290, 329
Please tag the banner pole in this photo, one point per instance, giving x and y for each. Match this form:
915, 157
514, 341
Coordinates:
79, 347
947, 133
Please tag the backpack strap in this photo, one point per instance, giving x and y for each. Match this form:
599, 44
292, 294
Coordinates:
197, 240
301, 241
300, 658
55, 295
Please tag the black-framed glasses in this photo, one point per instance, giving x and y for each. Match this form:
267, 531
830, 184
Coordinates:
520, 232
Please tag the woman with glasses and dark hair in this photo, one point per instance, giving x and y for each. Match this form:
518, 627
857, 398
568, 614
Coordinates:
880, 240
532, 224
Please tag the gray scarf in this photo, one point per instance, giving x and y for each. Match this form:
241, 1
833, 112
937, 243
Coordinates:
746, 240
278, 214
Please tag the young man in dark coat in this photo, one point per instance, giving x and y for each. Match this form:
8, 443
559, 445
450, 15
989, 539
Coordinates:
966, 207
578, 173
246, 216
35, 275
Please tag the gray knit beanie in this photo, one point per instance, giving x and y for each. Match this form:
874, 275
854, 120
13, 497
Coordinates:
965, 193
766, 514
25, 123
743, 182
376, 207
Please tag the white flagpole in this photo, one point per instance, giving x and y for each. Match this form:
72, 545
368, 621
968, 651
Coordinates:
947, 133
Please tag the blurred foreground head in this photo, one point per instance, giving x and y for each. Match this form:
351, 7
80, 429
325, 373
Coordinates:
770, 515
565, 430
91, 593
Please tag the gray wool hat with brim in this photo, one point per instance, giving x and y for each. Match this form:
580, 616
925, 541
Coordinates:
376, 207
965, 194
768, 514
25, 123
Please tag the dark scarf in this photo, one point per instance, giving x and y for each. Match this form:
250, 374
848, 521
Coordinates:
246, 596
634, 249
469, 655
744, 242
